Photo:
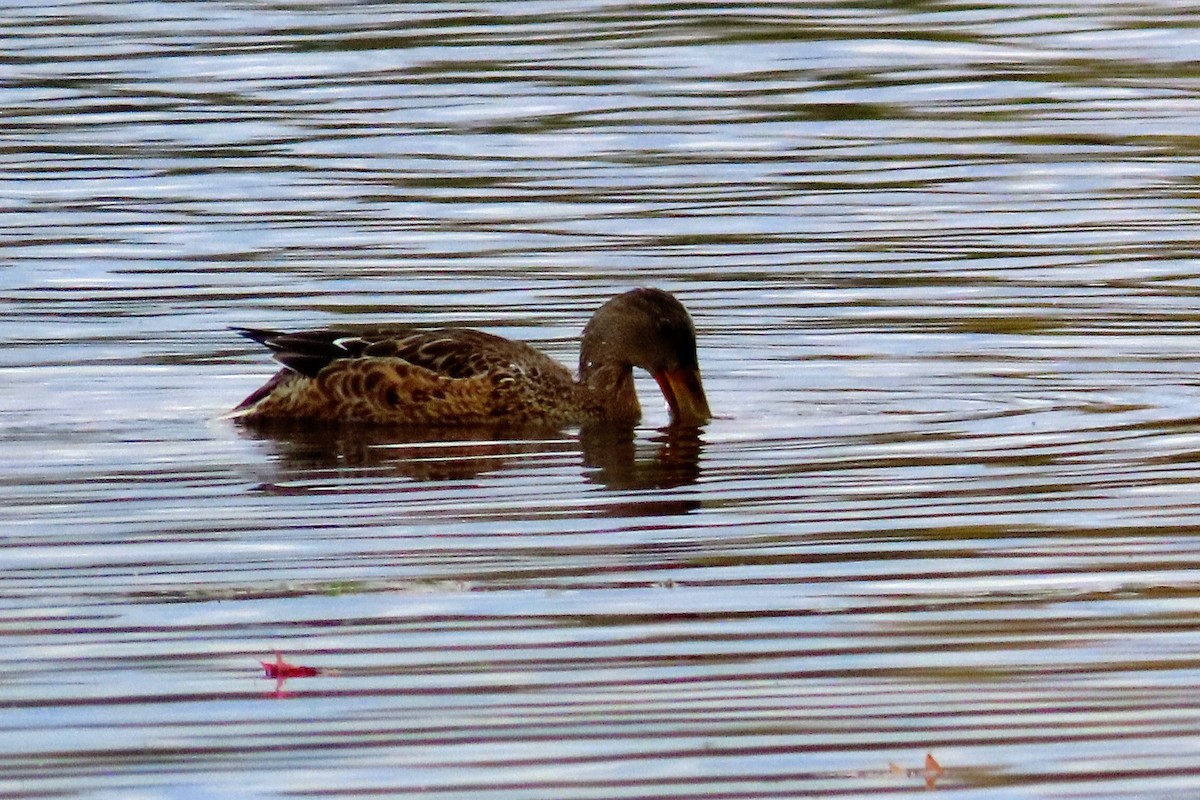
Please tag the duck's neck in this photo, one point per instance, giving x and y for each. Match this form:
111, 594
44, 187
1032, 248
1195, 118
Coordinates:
607, 392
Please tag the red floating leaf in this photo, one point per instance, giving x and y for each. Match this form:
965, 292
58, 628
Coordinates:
282, 670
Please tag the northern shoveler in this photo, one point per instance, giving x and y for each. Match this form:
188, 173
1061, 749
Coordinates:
459, 376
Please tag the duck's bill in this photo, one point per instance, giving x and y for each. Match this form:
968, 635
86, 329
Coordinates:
685, 396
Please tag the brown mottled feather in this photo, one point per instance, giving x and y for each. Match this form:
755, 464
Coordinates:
447, 376
390, 390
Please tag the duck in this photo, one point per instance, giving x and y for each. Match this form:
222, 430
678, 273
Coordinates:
402, 375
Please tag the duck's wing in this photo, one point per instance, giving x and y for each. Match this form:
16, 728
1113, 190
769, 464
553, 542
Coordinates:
450, 352
306, 352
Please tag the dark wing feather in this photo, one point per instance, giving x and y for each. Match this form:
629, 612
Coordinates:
452, 352
307, 352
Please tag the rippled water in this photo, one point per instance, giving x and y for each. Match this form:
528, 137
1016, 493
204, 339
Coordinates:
944, 265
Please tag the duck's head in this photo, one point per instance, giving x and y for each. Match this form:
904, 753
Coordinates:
650, 329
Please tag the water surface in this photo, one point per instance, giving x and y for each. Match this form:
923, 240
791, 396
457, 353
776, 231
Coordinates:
942, 261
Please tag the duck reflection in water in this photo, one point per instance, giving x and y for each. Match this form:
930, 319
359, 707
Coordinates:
612, 456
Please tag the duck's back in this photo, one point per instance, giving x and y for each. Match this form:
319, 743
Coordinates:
407, 376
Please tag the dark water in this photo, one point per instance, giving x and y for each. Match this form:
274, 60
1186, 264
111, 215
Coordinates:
944, 265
